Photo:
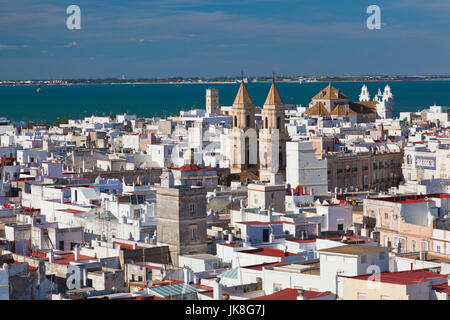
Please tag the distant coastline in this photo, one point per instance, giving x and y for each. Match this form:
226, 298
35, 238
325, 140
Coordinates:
212, 81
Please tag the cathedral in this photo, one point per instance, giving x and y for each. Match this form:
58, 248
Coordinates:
332, 103
260, 151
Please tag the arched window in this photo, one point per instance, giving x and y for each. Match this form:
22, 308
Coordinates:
266, 123
248, 121
278, 122
235, 121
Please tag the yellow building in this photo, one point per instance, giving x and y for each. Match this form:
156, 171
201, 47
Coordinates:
405, 285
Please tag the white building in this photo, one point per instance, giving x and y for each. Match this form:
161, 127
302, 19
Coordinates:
304, 169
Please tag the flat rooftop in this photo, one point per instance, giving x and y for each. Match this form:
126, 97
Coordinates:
354, 249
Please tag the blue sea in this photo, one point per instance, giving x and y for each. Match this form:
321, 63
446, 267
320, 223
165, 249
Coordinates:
148, 100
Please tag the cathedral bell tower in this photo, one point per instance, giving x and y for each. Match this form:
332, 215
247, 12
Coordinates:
244, 144
272, 136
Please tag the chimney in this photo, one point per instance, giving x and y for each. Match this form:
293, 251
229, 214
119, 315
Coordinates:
217, 294
76, 252
51, 257
186, 275
301, 295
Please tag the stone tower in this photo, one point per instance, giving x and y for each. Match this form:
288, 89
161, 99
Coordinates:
272, 136
212, 101
181, 218
244, 144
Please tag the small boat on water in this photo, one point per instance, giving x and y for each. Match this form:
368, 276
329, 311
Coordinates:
38, 90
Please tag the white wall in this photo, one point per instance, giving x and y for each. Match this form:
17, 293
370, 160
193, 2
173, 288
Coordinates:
304, 169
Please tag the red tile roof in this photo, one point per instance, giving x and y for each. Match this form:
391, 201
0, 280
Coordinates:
442, 288
404, 277
269, 252
71, 210
413, 198
66, 258
126, 246
292, 294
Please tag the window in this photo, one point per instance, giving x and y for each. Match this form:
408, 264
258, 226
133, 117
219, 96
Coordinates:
248, 121
413, 245
278, 122
192, 208
277, 287
340, 227
140, 278
361, 296
235, 121
386, 216
61, 245
266, 123
424, 245
382, 255
363, 259
438, 249
193, 234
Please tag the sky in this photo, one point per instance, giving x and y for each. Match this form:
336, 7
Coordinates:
207, 38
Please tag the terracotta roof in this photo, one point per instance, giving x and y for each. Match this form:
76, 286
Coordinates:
330, 93
273, 98
317, 109
269, 252
405, 277
342, 110
292, 294
243, 97
442, 288
363, 106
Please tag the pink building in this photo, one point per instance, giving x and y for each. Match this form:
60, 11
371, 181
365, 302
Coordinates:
406, 222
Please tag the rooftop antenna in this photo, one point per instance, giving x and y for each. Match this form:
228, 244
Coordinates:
273, 77
242, 76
